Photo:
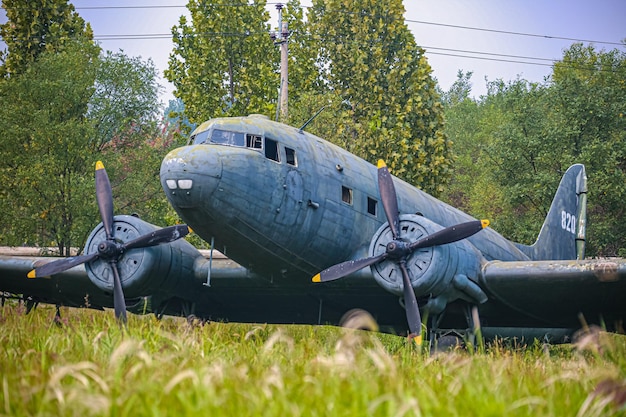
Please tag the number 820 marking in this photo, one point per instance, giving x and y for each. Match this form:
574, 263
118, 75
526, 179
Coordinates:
568, 222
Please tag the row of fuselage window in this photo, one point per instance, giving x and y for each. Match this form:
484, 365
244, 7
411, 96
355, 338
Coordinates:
271, 151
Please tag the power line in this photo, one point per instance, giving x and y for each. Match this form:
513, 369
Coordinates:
507, 32
429, 50
491, 59
421, 22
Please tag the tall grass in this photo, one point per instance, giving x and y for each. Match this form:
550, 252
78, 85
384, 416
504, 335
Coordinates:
91, 366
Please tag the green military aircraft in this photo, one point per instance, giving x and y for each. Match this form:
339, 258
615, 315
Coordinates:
284, 205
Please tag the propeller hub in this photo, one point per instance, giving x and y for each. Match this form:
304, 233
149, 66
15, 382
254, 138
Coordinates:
387, 273
397, 249
108, 249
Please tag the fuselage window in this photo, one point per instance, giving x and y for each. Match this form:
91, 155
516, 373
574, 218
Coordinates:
371, 206
226, 137
291, 156
254, 141
346, 195
271, 150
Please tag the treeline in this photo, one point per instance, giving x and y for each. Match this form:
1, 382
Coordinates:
513, 145
65, 103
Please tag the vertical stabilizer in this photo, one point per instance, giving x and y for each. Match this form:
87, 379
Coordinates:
562, 235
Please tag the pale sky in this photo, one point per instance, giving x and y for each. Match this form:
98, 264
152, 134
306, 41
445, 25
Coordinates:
449, 30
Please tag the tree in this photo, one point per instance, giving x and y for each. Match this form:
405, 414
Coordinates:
589, 92
459, 91
223, 62
371, 63
63, 107
129, 136
125, 98
45, 157
518, 140
34, 27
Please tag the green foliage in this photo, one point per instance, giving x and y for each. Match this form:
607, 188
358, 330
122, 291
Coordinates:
36, 26
125, 99
63, 112
355, 57
91, 366
223, 62
589, 89
459, 91
44, 151
373, 65
67, 111
516, 142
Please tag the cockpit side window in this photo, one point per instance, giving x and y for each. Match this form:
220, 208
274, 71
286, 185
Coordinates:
254, 141
200, 138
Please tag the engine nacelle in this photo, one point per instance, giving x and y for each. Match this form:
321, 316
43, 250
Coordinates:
143, 271
439, 272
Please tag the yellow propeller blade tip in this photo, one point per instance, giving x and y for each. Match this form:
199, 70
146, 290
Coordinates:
485, 223
317, 278
99, 165
381, 164
32, 274
190, 229
418, 340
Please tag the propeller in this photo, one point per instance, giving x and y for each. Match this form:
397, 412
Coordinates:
110, 250
398, 250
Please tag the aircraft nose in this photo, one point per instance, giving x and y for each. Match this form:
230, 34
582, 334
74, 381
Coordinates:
190, 175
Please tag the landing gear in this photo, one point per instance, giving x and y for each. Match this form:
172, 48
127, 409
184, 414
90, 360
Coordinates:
30, 303
177, 307
445, 340
57, 316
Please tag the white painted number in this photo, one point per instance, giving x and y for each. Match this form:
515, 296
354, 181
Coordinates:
568, 222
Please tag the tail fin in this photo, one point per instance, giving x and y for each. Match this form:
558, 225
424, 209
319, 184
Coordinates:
562, 235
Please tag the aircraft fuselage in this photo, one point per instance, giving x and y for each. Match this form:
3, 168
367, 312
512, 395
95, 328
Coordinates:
287, 203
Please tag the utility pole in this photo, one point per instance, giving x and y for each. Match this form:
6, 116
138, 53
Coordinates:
281, 39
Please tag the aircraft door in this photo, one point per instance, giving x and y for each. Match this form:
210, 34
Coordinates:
292, 202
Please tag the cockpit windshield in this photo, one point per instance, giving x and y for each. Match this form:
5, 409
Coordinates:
227, 137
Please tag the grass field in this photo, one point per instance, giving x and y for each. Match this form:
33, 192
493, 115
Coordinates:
90, 366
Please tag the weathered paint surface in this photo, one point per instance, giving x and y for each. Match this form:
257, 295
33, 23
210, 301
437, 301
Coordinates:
291, 204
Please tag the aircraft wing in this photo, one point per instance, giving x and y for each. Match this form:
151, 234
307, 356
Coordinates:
229, 293
74, 288
70, 288
559, 293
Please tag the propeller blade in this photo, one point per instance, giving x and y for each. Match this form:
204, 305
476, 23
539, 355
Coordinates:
165, 235
410, 305
389, 199
104, 195
450, 234
61, 265
119, 304
346, 268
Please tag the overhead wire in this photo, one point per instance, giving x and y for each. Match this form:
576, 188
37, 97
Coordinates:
422, 22
430, 50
